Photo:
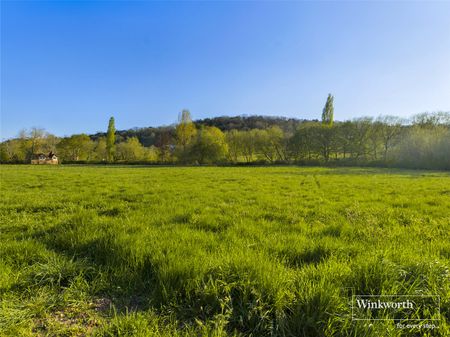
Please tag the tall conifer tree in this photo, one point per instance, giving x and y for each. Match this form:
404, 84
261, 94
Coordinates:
110, 140
328, 111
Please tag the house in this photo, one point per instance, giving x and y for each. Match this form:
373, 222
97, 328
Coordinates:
42, 158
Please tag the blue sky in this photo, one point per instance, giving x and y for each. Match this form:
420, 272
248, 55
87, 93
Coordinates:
69, 66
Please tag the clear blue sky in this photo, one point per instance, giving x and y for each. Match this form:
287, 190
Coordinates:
69, 66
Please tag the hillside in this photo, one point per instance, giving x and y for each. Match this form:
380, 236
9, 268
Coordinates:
149, 136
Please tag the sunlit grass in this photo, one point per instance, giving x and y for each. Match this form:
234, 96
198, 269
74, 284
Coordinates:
141, 251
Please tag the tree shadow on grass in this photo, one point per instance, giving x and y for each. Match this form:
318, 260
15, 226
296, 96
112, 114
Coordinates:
108, 266
310, 255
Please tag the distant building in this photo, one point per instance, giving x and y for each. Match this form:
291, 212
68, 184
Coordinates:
42, 158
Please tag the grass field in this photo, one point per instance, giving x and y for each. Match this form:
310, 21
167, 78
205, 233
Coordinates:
258, 251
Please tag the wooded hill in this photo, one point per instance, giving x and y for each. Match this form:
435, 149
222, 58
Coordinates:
151, 136
422, 141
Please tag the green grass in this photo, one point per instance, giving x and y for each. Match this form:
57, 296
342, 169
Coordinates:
259, 251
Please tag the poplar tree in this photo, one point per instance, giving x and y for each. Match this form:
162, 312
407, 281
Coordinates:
328, 111
185, 130
110, 140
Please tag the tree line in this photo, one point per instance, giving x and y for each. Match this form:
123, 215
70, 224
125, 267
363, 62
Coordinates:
422, 141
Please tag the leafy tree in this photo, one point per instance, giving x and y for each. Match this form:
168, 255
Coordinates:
279, 142
233, 139
425, 147
49, 143
374, 139
430, 120
249, 141
185, 134
301, 144
328, 111
270, 143
36, 136
425, 143
16, 150
324, 139
30, 142
210, 146
164, 144
110, 140
20, 148
152, 153
76, 147
390, 128
185, 130
344, 138
130, 150
4, 155
100, 152
360, 134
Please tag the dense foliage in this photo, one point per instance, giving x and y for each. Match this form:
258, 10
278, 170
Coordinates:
421, 142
